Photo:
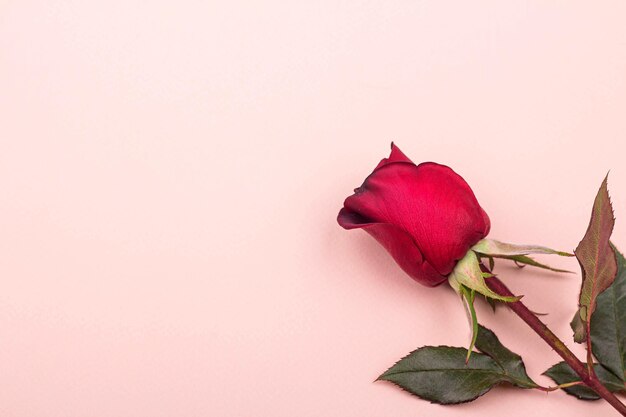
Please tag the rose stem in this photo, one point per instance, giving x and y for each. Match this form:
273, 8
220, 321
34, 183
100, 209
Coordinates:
591, 380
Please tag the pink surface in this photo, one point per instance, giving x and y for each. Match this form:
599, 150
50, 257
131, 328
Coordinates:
170, 177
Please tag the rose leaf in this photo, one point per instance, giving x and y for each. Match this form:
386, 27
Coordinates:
597, 261
441, 375
561, 373
608, 323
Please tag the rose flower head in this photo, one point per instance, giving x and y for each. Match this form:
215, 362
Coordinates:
426, 216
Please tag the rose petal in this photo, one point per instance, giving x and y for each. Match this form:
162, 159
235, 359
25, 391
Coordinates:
432, 204
398, 243
487, 221
396, 156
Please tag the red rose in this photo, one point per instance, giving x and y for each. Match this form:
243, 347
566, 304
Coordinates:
425, 215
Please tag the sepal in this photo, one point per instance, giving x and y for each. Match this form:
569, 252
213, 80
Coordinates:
467, 273
496, 248
491, 248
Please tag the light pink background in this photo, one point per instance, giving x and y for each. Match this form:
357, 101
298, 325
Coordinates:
170, 173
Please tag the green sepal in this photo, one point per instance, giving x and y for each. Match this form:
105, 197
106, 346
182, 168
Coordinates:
527, 260
467, 273
468, 296
491, 248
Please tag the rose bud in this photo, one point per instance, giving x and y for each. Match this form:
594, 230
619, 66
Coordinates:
429, 220
425, 215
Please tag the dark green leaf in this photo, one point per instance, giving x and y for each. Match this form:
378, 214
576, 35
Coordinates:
511, 363
608, 323
596, 257
561, 373
439, 374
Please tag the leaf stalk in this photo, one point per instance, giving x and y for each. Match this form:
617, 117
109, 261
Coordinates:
560, 386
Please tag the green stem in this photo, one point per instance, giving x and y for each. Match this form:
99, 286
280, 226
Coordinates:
589, 379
